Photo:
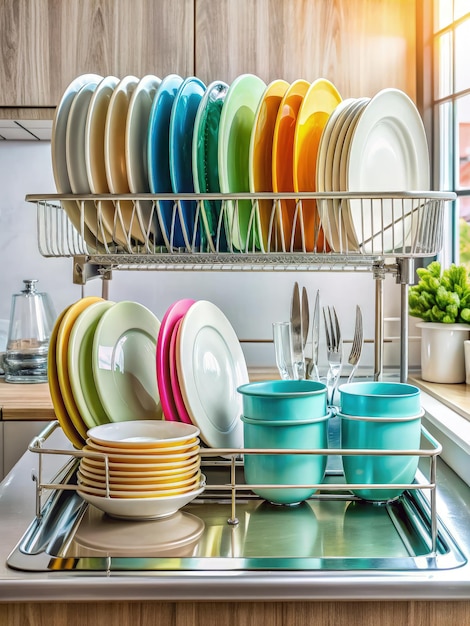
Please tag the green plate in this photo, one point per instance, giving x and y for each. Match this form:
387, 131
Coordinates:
124, 362
236, 124
80, 356
205, 161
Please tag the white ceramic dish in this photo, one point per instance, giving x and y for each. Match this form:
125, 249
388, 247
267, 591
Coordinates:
145, 434
115, 157
211, 366
136, 150
388, 152
142, 508
58, 152
76, 162
124, 366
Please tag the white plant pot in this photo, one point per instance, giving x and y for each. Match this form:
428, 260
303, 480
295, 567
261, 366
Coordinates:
442, 352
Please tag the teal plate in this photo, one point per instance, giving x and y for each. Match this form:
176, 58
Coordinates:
183, 115
158, 150
205, 162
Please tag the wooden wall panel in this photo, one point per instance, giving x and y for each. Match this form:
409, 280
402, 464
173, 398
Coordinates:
44, 44
360, 45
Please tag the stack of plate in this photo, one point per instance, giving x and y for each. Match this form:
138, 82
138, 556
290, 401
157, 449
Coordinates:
101, 365
141, 469
368, 145
200, 364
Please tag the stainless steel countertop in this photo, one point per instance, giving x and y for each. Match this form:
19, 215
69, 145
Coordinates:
17, 509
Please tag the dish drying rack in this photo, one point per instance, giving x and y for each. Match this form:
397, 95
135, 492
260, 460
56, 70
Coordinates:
382, 233
231, 459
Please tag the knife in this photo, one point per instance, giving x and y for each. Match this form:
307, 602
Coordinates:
305, 317
297, 339
313, 363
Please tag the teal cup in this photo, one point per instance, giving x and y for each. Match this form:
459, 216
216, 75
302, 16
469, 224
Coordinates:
380, 433
285, 469
289, 400
379, 398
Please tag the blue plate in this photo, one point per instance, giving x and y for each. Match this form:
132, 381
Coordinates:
158, 148
183, 115
205, 162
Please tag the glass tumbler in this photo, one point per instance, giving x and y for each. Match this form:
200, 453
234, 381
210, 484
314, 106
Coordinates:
282, 336
32, 318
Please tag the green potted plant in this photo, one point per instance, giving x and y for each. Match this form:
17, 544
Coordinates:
442, 300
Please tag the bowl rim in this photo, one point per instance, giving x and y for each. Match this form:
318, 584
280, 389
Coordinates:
256, 388
354, 390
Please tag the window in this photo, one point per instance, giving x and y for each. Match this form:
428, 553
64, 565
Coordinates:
451, 115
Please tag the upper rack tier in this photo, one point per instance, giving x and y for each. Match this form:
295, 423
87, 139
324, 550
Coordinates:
267, 230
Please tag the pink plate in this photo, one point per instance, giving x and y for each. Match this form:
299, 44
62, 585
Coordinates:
173, 314
177, 395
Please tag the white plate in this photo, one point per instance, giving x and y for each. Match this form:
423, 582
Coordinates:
142, 508
115, 156
328, 138
388, 152
76, 162
211, 365
94, 154
144, 434
334, 173
136, 149
124, 362
58, 152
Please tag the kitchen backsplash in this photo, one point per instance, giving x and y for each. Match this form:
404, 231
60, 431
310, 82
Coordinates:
251, 300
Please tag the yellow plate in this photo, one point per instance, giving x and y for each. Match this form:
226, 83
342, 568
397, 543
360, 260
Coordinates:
260, 160
63, 336
54, 388
283, 159
320, 101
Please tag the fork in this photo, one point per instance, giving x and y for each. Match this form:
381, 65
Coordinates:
356, 348
334, 345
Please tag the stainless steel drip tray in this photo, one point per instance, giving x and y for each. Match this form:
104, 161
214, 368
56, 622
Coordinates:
332, 531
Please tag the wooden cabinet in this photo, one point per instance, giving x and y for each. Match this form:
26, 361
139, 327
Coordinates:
362, 46
243, 614
47, 43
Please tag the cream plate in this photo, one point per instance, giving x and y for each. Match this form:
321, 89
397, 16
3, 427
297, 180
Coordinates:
140, 488
142, 508
327, 143
58, 152
388, 152
76, 162
166, 537
136, 476
94, 155
124, 368
136, 150
115, 157
211, 365
145, 434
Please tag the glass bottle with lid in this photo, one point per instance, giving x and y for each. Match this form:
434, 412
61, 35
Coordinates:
32, 317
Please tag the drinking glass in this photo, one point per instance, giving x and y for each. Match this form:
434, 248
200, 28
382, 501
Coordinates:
282, 335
